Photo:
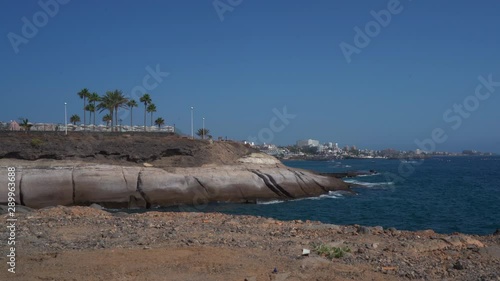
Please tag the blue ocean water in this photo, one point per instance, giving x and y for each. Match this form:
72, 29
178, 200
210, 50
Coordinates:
446, 194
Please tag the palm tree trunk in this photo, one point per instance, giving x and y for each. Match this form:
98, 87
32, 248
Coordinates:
84, 105
151, 118
94, 120
111, 114
131, 118
144, 116
116, 119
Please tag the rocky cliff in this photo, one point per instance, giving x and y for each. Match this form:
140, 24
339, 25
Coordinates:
50, 183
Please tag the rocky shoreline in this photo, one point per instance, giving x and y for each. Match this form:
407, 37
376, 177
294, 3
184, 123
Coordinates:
111, 170
257, 177
60, 243
142, 171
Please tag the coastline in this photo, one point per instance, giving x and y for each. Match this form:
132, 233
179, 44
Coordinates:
204, 246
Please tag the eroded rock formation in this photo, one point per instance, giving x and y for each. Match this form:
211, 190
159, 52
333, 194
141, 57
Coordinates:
257, 177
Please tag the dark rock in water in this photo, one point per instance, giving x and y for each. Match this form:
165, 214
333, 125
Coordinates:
497, 232
349, 174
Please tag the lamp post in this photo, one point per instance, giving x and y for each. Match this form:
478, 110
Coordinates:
65, 119
192, 129
203, 130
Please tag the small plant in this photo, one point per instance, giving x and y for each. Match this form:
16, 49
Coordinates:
330, 252
36, 142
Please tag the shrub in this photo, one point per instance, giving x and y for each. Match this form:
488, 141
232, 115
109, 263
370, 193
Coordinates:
330, 252
36, 142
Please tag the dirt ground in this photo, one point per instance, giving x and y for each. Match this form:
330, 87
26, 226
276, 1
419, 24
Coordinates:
82, 243
160, 149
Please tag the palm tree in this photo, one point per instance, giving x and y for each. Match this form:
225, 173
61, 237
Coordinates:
25, 124
131, 104
93, 98
112, 101
159, 121
119, 101
106, 103
151, 108
107, 118
145, 99
202, 132
74, 119
90, 108
84, 94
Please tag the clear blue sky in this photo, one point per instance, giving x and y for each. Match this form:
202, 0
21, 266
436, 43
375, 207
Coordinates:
265, 55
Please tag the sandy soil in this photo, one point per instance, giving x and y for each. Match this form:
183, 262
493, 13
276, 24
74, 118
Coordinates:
82, 243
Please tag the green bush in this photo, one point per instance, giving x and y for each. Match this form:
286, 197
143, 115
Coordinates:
36, 142
330, 252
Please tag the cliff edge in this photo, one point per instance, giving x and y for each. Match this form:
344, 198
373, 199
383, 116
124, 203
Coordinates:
111, 172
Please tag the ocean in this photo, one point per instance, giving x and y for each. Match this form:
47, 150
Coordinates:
446, 194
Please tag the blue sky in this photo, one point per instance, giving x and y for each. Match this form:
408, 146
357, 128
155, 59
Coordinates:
266, 55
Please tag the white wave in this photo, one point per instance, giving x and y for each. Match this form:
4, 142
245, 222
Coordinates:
368, 184
269, 202
410, 161
330, 195
368, 175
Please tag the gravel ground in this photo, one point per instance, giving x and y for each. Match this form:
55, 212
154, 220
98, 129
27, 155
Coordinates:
83, 243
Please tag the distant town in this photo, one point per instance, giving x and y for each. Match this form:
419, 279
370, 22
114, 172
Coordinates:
308, 149
311, 149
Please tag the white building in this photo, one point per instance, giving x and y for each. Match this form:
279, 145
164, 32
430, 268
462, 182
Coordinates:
308, 142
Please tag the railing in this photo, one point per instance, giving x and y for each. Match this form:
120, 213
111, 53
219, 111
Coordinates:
88, 128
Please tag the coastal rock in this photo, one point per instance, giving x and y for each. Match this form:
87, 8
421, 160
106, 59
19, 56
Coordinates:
139, 187
47, 187
259, 158
104, 184
162, 188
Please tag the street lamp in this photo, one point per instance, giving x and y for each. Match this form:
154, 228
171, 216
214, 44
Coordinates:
192, 129
203, 130
65, 119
